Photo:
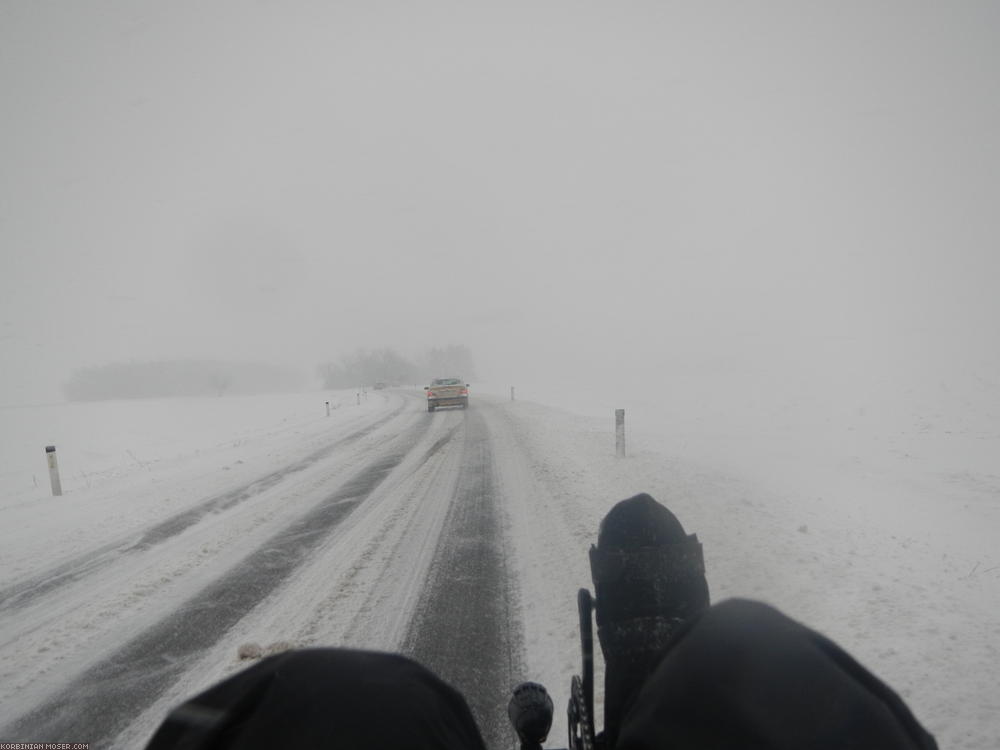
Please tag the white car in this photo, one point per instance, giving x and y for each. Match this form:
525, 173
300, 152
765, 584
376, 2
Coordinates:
447, 392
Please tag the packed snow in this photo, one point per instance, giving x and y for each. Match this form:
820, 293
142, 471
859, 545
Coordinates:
882, 538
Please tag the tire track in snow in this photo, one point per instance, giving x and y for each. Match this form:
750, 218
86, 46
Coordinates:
22, 594
103, 701
392, 563
463, 628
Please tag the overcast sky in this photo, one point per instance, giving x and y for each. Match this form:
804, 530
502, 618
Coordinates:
559, 185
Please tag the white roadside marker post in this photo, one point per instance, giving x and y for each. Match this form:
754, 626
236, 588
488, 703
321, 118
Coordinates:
620, 432
328, 408
50, 454
512, 393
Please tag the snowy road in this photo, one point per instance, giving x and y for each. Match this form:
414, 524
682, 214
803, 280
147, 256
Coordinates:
467, 605
192, 528
344, 546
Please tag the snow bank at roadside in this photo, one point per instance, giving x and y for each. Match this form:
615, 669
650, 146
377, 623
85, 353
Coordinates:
891, 555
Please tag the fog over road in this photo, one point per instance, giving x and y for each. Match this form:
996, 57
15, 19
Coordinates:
391, 536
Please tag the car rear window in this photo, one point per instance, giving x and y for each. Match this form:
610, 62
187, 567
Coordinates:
446, 381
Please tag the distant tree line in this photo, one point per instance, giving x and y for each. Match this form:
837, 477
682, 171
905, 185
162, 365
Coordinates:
177, 378
387, 366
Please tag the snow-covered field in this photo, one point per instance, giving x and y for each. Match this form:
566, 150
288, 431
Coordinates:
878, 529
880, 532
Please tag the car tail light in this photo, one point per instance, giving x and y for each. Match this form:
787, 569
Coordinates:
464, 392
430, 394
